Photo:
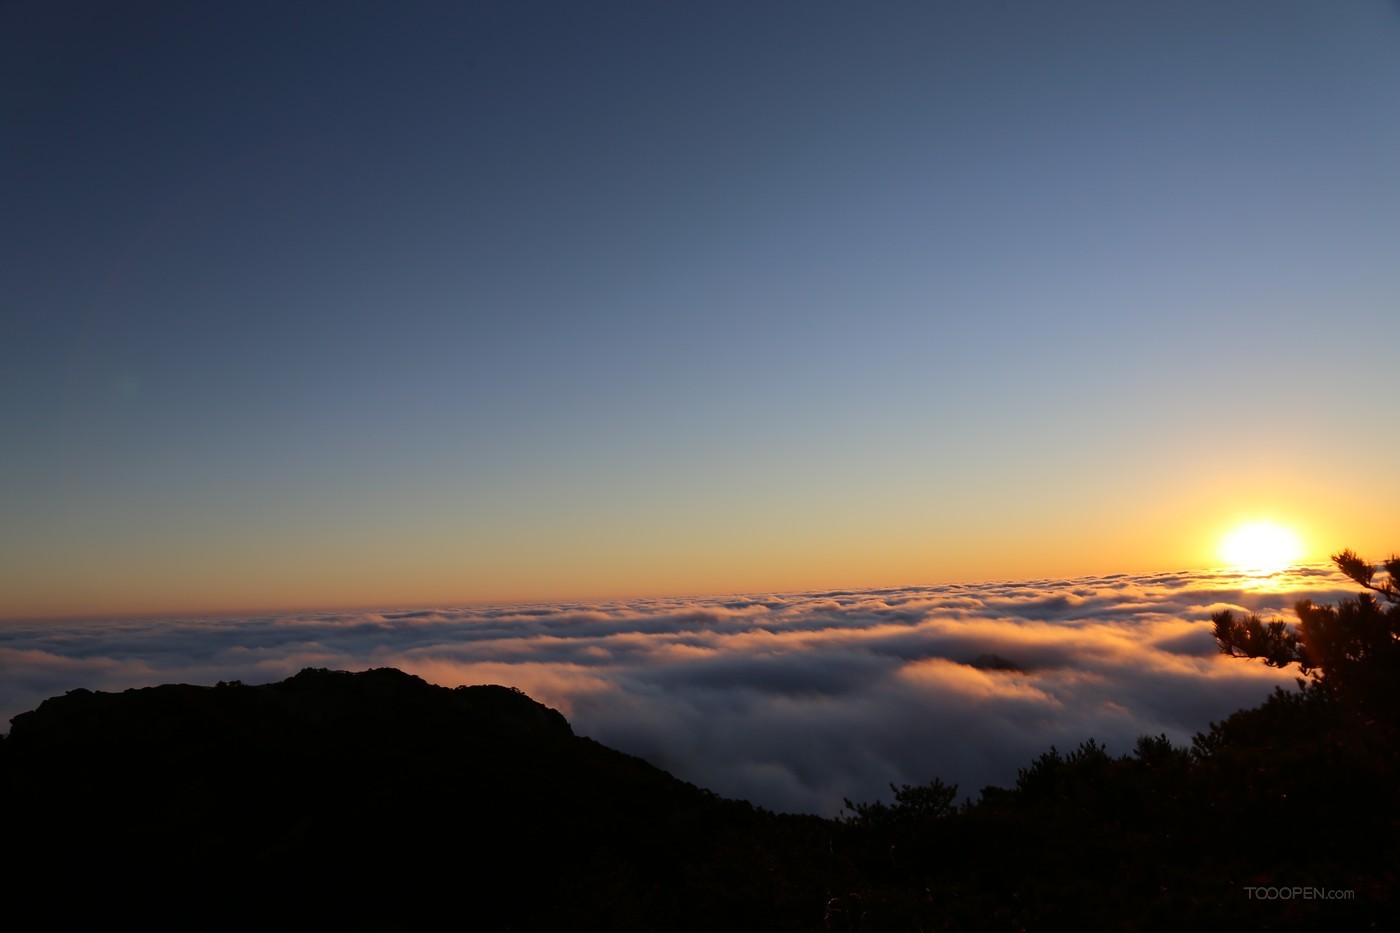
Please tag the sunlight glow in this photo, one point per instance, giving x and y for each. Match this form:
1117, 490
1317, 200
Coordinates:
1261, 547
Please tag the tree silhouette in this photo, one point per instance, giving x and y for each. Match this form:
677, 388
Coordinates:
1351, 650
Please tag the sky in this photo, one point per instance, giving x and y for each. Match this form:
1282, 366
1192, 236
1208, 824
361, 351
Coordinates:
351, 305
795, 702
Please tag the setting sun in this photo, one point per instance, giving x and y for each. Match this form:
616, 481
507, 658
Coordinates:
1263, 547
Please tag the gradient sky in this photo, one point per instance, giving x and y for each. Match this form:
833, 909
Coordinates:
417, 303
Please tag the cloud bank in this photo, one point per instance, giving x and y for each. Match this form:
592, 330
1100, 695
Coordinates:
791, 701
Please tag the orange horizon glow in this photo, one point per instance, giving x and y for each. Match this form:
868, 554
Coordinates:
791, 552
403, 601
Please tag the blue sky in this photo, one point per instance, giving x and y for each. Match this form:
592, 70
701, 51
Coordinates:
363, 305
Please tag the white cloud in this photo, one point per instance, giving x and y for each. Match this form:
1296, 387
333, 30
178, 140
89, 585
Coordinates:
793, 701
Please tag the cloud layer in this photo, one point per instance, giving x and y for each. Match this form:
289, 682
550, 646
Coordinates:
792, 701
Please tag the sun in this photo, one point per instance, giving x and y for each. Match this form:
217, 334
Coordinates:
1261, 547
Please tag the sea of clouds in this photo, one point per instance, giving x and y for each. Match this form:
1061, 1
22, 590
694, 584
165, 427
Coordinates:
793, 701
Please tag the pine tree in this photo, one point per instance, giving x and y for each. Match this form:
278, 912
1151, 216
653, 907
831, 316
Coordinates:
1351, 650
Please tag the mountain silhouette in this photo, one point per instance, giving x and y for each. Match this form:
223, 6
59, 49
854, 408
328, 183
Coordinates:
368, 800
377, 801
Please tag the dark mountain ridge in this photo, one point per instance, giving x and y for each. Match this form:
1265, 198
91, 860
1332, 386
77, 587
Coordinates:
370, 800
377, 801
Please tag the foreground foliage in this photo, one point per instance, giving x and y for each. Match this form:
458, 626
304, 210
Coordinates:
1290, 794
